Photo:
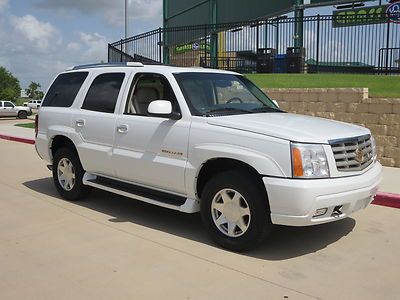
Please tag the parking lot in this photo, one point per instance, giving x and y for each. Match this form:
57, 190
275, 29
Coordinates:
109, 246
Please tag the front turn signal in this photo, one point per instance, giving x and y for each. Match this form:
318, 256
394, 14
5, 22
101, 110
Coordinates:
297, 163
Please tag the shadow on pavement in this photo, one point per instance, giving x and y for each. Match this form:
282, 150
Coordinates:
284, 242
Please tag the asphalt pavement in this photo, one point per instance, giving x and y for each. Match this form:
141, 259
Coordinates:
108, 246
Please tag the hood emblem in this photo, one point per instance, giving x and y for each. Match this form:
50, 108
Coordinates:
359, 155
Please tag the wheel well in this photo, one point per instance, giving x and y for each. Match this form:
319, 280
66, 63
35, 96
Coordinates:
215, 166
61, 141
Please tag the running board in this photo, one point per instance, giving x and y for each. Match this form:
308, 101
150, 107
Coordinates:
162, 199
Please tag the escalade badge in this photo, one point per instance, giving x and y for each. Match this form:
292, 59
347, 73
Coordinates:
359, 155
170, 152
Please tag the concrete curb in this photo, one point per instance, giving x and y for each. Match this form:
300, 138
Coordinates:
387, 199
17, 139
381, 198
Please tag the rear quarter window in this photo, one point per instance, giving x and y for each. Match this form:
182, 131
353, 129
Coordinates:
64, 89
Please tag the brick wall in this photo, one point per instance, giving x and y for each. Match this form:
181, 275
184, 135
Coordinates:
381, 116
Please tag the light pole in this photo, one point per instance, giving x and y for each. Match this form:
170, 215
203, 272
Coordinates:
126, 19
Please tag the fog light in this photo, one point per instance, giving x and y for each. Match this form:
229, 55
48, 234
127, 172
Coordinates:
320, 212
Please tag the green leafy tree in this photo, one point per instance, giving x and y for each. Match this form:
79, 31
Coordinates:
10, 88
40, 95
33, 91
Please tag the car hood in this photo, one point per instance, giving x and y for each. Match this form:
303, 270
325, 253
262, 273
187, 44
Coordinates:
290, 127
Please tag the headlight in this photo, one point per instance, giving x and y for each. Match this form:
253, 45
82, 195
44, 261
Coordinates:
373, 145
309, 161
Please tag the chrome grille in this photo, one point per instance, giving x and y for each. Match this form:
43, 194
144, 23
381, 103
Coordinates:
353, 154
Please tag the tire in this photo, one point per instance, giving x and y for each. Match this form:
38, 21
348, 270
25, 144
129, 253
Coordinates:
70, 186
253, 216
22, 114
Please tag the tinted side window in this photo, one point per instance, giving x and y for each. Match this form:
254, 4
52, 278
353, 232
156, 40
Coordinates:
63, 91
103, 93
147, 88
8, 104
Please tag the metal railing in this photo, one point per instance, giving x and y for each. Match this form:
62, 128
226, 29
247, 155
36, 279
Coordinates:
117, 55
272, 46
389, 61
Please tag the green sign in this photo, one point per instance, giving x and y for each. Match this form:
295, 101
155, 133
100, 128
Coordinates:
361, 16
192, 47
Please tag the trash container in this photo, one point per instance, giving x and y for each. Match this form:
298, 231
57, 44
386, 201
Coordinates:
265, 60
295, 60
280, 63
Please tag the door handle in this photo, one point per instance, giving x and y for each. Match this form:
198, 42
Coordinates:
80, 123
122, 128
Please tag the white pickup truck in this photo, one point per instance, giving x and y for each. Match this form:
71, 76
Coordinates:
202, 140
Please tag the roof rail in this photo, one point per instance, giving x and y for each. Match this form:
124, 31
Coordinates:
103, 65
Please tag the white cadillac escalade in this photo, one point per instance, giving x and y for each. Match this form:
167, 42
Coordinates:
202, 140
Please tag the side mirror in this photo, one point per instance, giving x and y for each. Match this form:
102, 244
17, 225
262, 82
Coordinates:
276, 103
162, 108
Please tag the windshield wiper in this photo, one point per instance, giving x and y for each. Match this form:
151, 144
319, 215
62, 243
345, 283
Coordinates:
228, 109
266, 109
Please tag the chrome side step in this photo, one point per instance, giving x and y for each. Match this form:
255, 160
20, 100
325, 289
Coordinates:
174, 202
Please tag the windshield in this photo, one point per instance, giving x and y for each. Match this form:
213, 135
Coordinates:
213, 94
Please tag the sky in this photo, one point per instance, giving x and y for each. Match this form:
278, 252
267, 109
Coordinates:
40, 38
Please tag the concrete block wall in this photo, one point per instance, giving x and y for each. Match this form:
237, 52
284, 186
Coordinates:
352, 105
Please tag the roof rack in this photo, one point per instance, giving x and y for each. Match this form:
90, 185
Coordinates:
103, 65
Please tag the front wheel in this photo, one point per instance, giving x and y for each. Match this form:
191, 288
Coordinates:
235, 210
68, 174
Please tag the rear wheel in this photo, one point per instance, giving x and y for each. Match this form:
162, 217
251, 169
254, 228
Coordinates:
68, 174
22, 114
235, 210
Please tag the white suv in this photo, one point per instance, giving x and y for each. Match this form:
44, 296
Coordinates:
202, 140
33, 103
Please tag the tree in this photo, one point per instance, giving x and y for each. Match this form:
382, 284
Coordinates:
33, 91
9, 86
40, 95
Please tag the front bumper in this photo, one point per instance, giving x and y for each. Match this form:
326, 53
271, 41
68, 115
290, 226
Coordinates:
294, 202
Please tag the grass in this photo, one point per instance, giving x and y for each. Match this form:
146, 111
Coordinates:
379, 85
26, 125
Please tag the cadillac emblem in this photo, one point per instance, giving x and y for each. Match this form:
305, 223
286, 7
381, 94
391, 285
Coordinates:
359, 155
